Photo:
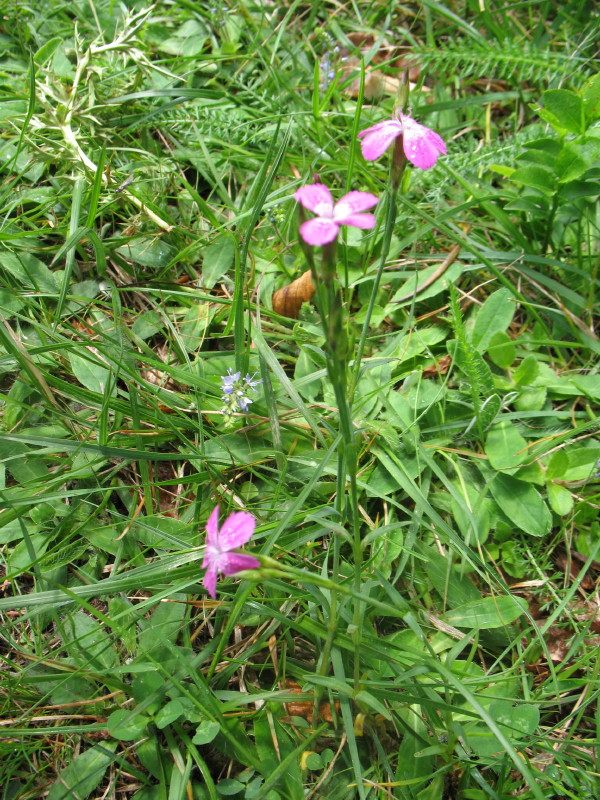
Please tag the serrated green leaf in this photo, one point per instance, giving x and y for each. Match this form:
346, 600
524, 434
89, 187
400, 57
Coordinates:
566, 107
570, 163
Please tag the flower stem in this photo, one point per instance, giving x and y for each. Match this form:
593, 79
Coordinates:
390, 219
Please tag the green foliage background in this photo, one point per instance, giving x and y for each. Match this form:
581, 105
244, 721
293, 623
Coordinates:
149, 156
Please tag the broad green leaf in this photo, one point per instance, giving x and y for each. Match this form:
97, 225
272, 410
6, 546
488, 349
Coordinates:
148, 324
452, 586
411, 286
576, 189
148, 252
165, 623
19, 559
583, 463
149, 688
527, 371
522, 504
229, 786
412, 769
531, 399
494, 316
79, 778
536, 178
501, 350
313, 762
217, 260
518, 719
127, 725
304, 369
87, 641
187, 41
9, 303
504, 446
386, 547
149, 753
471, 513
571, 163
590, 94
542, 151
560, 499
487, 612
370, 700
91, 374
168, 714
206, 732
194, 325
558, 465
29, 271
566, 107
46, 51
24, 465
535, 206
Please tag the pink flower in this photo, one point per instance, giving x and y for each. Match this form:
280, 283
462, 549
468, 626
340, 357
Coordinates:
324, 227
422, 146
236, 530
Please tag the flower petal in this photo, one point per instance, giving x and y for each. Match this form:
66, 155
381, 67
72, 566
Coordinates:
212, 528
235, 531
359, 220
319, 231
317, 198
422, 146
211, 555
379, 137
210, 581
232, 563
353, 203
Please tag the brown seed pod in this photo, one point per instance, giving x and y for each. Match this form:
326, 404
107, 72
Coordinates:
288, 300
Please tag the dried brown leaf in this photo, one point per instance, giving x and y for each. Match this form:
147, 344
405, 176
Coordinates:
288, 300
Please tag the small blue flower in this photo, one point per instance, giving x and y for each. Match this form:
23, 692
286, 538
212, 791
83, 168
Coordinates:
235, 393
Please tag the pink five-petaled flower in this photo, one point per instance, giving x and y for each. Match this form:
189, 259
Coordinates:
421, 145
236, 530
347, 211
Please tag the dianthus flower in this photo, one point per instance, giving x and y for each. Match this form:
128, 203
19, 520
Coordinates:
324, 228
236, 530
421, 145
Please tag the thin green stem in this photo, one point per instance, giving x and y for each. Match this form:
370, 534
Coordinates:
390, 219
